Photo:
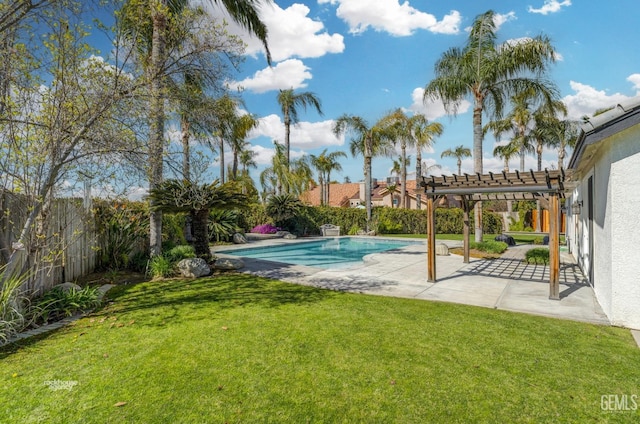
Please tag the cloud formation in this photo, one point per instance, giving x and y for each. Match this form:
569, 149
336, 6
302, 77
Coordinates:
550, 6
292, 73
432, 109
390, 16
305, 135
588, 99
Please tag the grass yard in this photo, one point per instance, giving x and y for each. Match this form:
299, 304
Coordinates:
236, 348
519, 238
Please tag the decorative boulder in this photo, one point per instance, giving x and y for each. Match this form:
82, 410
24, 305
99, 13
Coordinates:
442, 249
228, 264
505, 238
67, 287
290, 236
239, 238
282, 233
194, 267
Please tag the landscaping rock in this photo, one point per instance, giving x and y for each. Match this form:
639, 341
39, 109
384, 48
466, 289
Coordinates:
282, 233
194, 267
67, 287
239, 238
290, 236
505, 238
442, 249
228, 264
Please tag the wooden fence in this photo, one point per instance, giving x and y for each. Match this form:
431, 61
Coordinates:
72, 244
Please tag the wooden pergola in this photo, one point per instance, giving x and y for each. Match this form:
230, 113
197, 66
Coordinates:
548, 186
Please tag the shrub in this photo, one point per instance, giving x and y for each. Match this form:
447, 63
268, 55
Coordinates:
179, 253
264, 229
537, 255
160, 267
489, 246
354, 230
223, 224
57, 303
282, 209
13, 307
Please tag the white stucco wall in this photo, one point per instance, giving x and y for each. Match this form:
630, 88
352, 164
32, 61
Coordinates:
616, 227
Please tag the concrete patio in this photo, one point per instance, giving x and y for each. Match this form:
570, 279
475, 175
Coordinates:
506, 283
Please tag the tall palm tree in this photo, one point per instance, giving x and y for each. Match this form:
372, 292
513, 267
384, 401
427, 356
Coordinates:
424, 134
459, 152
368, 141
289, 102
506, 152
545, 119
240, 128
400, 125
152, 24
563, 134
325, 164
489, 73
225, 114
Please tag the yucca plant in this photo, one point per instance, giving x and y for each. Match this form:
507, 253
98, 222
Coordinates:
197, 200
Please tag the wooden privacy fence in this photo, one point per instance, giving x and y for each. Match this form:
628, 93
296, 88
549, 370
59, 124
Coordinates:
72, 243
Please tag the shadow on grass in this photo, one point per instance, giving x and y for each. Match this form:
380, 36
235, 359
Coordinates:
166, 300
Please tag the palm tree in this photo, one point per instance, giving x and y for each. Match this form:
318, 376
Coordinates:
154, 32
368, 142
197, 200
297, 177
546, 118
489, 73
324, 164
392, 189
562, 134
289, 102
460, 152
424, 133
506, 152
400, 125
240, 128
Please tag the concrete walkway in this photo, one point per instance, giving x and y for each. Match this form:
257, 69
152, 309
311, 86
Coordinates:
506, 283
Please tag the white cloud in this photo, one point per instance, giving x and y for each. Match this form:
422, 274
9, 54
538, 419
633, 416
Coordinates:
432, 109
587, 99
305, 135
291, 73
392, 17
550, 6
291, 33
501, 19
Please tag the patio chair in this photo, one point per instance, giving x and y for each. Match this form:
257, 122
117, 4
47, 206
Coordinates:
330, 230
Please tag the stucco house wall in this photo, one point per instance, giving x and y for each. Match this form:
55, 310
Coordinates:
612, 262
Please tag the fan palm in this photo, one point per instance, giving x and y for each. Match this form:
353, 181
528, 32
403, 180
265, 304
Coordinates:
489, 73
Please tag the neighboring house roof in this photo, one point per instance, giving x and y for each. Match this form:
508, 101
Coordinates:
621, 117
339, 194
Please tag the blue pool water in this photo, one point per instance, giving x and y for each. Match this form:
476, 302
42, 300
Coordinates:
329, 253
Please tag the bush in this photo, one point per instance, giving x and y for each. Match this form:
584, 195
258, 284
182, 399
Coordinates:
13, 307
223, 224
537, 255
489, 246
57, 303
354, 230
160, 267
179, 253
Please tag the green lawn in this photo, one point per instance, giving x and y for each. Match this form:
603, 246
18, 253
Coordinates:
235, 348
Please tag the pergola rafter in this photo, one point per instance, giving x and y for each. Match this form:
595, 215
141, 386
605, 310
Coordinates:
470, 188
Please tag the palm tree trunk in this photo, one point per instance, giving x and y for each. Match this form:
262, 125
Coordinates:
418, 178
200, 220
186, 160
321, 189
156, 115
403, 177
234, 165
477, 163
459, 166
221, 160
539, 151
367, 178
327, 181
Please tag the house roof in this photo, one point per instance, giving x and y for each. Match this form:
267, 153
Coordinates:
339, 194
621, 117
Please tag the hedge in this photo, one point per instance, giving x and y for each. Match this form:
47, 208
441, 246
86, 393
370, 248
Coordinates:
384, 220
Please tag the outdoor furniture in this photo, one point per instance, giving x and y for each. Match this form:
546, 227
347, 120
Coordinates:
330, 230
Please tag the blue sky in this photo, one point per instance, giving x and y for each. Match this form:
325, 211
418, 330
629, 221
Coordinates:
368, 57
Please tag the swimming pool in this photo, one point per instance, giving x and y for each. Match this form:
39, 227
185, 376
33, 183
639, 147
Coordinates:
329, 253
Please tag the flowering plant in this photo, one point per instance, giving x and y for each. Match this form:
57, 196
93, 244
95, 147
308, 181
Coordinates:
265, 229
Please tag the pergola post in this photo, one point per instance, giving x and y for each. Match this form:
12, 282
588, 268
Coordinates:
554, 247
431, 240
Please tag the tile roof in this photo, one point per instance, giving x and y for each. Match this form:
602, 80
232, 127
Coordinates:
339, 194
